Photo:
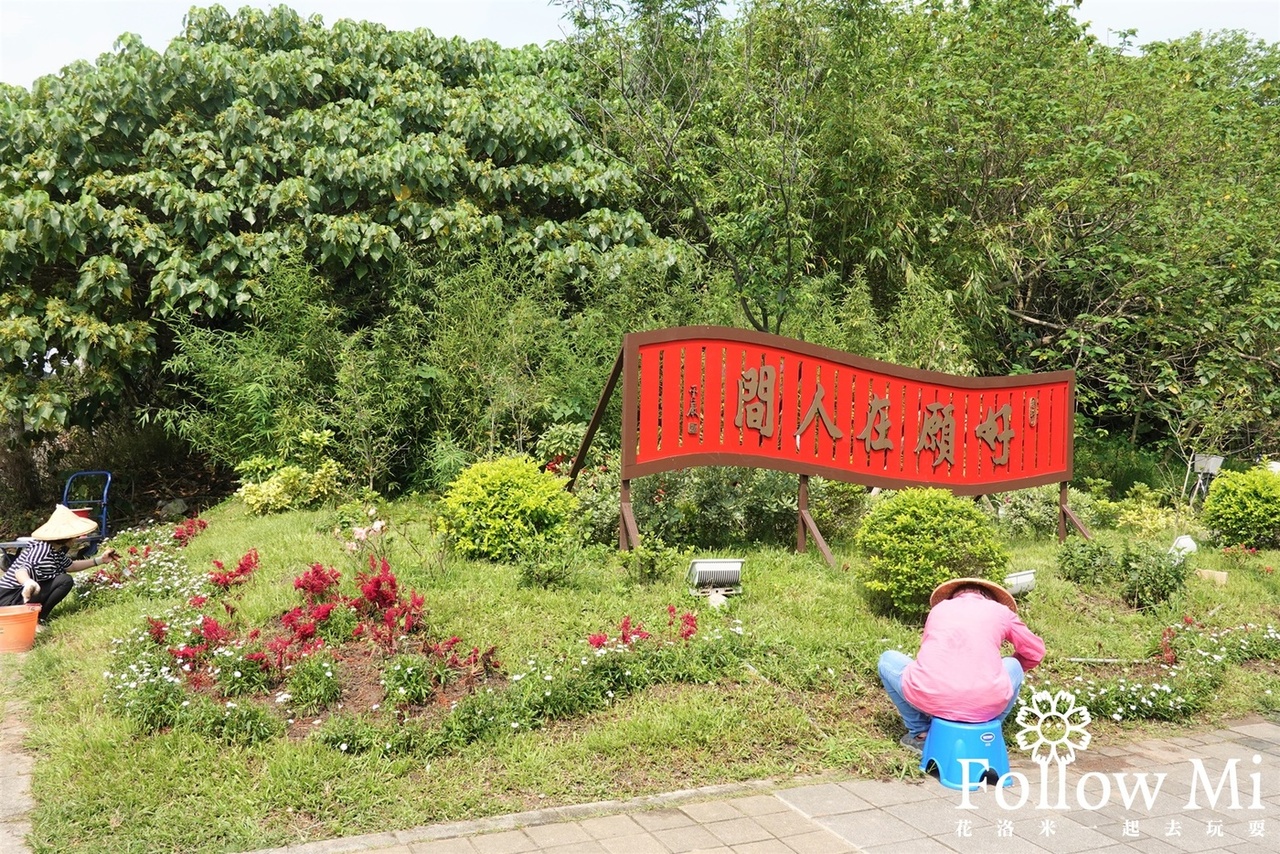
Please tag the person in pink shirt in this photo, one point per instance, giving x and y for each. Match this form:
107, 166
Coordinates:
960, 673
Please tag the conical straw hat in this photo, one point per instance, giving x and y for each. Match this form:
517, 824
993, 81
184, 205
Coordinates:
64, 524
946, 588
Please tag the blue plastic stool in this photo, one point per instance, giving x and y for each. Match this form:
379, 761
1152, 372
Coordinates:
949, 742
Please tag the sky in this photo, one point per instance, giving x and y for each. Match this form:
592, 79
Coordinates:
39, 37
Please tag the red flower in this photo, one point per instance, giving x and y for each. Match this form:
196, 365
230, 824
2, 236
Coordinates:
188, 529
197, 601
598, 640
158, 629
239, 575
188, 654
317, 581
627, 633
379, 590
320, 613
213, 632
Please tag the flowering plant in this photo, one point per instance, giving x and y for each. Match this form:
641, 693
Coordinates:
246, 566
187, 529
150, 565
1238, 557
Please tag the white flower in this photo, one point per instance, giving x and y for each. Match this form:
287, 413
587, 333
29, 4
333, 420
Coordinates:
1052, 720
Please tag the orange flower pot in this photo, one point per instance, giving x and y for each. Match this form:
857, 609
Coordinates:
18, 627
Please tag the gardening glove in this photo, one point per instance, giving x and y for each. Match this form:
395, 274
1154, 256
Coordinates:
30, 590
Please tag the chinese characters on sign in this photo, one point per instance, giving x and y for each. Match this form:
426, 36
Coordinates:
757, 406
877, 419
713, 396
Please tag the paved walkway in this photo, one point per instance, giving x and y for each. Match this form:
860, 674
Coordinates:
1220, 792
15, 773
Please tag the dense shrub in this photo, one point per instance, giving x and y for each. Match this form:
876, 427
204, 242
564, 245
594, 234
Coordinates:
653, 561
303, 477
837, 507
1087, 562
504, 508
1028, 512
1243, 508
714, 507
717, 507
918, 538
1150, 577
1032, 513
599, 491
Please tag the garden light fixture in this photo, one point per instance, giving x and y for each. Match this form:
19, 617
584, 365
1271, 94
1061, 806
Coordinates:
717, 577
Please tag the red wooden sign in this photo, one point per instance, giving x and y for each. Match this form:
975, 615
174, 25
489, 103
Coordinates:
706, 395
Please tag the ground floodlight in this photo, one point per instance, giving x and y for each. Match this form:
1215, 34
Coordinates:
721, 576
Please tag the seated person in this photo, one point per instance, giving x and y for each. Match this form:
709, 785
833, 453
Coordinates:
959, 674
40, 572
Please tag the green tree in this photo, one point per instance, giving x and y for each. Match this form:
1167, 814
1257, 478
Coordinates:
156, 186
717, 118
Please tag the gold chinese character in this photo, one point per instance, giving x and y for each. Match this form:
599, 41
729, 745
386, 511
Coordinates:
816, 408
755, 400
877, 419
989, 431
938, 433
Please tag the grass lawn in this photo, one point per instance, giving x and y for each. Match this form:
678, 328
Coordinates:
780, 682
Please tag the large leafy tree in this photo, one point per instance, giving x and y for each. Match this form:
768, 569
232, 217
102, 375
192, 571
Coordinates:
717, 117
157, 185
1075, 205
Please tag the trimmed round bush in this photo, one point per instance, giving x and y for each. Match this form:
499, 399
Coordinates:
501, 509
918, 538
1243, 508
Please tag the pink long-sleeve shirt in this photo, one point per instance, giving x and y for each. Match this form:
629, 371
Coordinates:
958, 674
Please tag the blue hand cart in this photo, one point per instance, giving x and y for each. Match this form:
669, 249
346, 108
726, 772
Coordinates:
87, 492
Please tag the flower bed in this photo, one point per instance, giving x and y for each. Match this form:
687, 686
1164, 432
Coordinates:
357, 667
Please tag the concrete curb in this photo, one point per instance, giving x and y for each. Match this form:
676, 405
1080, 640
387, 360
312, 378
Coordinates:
16, 764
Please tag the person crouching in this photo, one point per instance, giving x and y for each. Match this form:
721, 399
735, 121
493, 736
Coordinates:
959, 673
41, 573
